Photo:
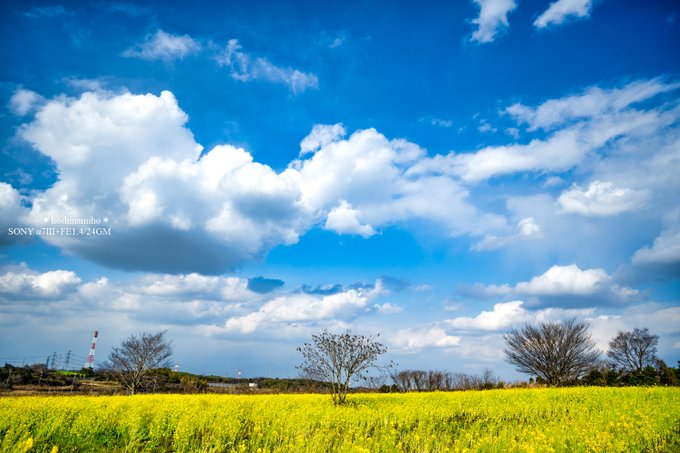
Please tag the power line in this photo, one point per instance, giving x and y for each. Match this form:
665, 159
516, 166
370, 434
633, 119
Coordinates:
41, 356
54, 360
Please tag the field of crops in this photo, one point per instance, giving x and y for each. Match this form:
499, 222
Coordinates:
570, 420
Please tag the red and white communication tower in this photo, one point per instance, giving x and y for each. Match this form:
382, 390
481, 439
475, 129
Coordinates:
90, 356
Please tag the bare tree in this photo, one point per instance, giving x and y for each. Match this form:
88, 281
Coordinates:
436, 380
489, 379
433, 380
339, 358
402, 379
131, 362
464, 381
419, 378
633, 351
558, 352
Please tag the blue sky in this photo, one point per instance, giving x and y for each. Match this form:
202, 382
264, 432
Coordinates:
437, 173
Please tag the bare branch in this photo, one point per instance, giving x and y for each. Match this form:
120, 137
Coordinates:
136, 356
340, 358
633, 351
556, 352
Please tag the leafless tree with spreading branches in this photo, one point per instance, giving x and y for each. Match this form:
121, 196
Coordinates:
339, 358
633, 351
557, 352
131, 362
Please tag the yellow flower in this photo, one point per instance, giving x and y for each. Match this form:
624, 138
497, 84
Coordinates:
29, 444
55, 449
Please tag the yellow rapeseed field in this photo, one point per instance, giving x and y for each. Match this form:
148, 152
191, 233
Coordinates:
518, 420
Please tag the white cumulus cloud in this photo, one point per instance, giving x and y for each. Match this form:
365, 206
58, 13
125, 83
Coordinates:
414, 339
503, 315
564, 286
175, 208
25, 283
664, 250
602, 198
492, 19
374, 176
661, 320
320, 136
193, 286
130, 158
559, 280
562, 10
306, 309
344, 220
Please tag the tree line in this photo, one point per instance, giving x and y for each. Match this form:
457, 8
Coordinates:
436, 380
560, 354
550, 353
563, 353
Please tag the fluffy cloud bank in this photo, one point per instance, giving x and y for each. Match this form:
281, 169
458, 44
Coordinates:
564, 280
303, 309
24, 283
185, 299
578, 126
212, 305
592, 103
129, 158
480, 336
559, 293
414, 339
174, 208
563, 286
